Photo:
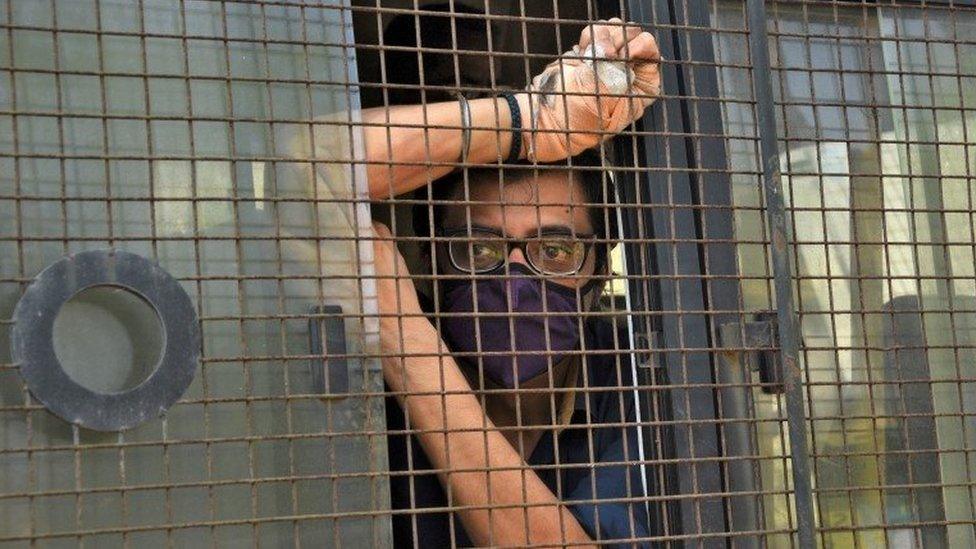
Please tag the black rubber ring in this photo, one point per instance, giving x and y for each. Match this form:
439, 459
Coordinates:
516, 149
33, 344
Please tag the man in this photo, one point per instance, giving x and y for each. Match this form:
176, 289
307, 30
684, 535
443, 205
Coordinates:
516, 398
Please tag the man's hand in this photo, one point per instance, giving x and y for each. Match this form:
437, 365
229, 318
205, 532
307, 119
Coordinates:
396, 295
594, 91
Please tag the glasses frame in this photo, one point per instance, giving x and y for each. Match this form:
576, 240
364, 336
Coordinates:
588, 239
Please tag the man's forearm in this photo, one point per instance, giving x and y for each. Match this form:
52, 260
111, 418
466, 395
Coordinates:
399, 140
502, 502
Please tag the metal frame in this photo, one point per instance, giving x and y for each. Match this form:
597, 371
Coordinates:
695, 242
700, 186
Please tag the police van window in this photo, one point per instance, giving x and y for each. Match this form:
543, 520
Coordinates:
411, 273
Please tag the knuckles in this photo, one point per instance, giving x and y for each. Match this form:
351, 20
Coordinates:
639, 43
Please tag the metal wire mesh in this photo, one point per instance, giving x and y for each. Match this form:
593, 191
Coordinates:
871, 112
235, 143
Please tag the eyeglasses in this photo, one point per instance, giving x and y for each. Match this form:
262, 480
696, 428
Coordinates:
484, 250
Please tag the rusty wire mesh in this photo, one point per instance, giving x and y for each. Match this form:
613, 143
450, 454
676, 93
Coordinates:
224, 141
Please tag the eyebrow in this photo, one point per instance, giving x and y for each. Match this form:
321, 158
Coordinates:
565, 230
560, 229
475, 227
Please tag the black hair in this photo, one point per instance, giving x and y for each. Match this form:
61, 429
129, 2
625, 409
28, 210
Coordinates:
402, 66
587, 168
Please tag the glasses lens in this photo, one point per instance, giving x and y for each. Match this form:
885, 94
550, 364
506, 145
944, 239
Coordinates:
556, 256
477, 255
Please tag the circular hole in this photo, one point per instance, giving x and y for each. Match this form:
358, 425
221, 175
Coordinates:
108, 339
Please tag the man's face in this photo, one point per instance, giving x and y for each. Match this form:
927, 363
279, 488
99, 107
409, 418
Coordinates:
549, 204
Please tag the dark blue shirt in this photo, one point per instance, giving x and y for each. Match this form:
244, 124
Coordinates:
601, 484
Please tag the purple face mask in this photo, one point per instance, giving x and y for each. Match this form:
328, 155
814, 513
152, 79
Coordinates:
522, 293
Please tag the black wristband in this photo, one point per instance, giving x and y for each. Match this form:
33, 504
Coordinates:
516, 150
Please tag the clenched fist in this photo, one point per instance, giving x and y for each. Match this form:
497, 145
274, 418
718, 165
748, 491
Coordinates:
594, 91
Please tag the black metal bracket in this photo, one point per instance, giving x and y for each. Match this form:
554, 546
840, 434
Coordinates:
648, 346
758, 341
33, 342
327, 336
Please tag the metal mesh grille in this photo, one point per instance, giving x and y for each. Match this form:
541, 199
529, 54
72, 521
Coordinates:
181, 131
871, 106
881, 263
247, 146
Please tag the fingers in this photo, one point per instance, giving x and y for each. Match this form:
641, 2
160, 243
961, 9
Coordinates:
382, 246
381, 230
629, 32
386, 251
596, 34
615, 34
611, 36
643, 47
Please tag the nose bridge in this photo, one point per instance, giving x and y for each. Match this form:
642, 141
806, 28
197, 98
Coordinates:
516, 254
513, 285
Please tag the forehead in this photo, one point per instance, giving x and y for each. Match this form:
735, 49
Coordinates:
521, 205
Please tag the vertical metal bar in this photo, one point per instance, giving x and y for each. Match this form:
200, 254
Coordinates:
677, 517
693, 231
711, 188
782, 273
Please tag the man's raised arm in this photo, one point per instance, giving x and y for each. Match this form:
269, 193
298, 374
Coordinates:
567, 109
